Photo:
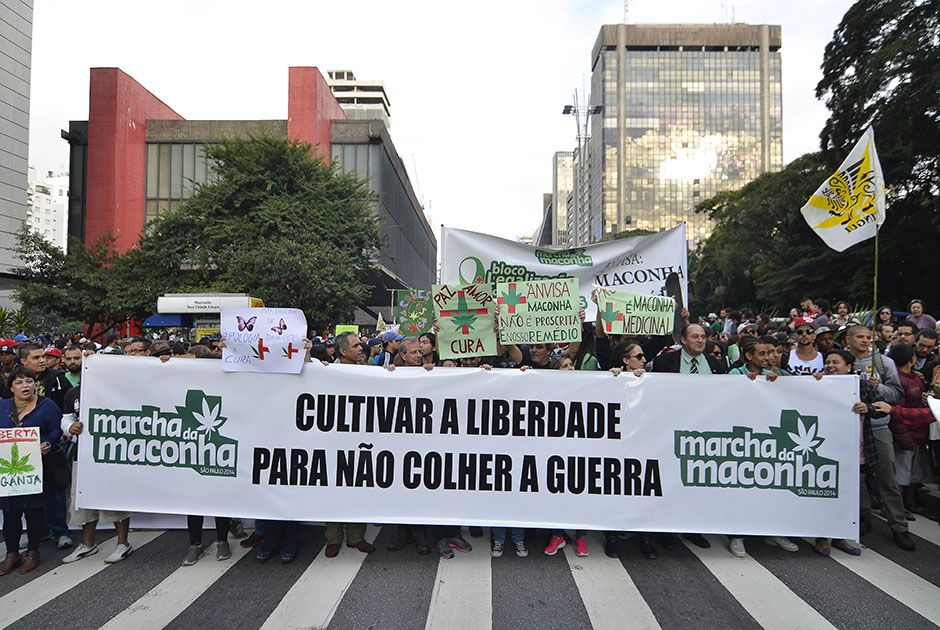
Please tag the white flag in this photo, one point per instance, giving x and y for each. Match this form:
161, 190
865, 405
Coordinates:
849, 206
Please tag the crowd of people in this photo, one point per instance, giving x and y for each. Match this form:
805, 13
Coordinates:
900, 449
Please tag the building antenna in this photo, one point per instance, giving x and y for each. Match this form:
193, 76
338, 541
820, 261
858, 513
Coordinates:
626, 11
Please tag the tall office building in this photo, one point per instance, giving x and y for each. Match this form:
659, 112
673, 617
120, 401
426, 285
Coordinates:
16, 37
689, 111
47, 211
562, 184
360, 99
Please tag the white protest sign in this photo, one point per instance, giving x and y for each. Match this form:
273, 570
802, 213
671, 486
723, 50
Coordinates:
638, 264
540, 448
20, 462
263, 340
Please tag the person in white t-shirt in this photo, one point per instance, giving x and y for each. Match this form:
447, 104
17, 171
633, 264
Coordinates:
806, 359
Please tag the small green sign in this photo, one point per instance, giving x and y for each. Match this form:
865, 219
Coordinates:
635, 314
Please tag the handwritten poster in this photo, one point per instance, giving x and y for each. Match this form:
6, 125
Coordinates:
263, 339
465, 320
635, 314
539, 311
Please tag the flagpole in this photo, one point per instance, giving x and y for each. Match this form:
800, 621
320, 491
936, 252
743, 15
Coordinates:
874, 312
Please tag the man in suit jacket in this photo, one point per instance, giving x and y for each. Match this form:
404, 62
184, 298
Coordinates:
691, 359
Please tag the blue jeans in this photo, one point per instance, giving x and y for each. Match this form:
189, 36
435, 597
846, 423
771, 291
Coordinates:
516, 533
56, 510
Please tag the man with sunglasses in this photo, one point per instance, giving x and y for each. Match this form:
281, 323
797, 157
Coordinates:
806, 359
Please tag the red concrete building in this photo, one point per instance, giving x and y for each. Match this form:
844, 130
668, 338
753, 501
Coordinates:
111, 199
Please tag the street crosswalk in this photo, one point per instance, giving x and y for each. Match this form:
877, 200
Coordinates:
687, 587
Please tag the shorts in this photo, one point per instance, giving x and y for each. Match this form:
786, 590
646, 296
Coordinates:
82, 516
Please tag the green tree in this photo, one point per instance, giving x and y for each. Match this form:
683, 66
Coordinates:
275, 222
83, 285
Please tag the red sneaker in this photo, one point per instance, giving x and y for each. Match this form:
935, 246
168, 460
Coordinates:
554, 544
580, 547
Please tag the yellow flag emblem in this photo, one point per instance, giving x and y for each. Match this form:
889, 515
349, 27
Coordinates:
849, 206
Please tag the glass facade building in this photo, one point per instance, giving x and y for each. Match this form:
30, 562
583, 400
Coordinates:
688, 111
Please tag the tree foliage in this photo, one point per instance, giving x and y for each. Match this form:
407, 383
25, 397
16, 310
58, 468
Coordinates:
84, 284
274, 222
882, 68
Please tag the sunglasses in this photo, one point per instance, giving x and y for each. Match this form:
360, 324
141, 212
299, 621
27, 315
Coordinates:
717, 353
885, 312
804, 331
638, 355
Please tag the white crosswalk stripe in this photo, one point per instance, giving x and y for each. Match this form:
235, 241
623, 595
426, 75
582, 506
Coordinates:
762, 594
169, 598
315, 596
45, 588
608, 593
463, 592
905, 586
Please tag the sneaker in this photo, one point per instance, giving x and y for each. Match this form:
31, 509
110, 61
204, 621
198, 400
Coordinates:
580, 547
193, 556
80, 552
222, 550
460, 544
64, 542
120, 552
252, 541
521, 551
497, 550
783, 542
736, 545
554, 544
443, 547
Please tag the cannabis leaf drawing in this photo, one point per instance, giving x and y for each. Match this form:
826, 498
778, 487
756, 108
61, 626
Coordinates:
805, 439
16, 465
512, 299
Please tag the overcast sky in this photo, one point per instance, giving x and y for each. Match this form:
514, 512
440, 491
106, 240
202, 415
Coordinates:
476, 88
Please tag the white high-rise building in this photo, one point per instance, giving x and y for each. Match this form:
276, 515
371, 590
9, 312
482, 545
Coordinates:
47, 206
360, 99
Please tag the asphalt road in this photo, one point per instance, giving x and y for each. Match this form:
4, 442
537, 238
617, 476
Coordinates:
683, 588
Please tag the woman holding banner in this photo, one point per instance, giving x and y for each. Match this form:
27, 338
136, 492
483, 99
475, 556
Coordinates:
26, 409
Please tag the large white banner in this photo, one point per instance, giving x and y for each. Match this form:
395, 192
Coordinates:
663, 452
639, 264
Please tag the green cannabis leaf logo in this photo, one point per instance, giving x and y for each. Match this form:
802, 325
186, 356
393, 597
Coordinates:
16, 465
205, 411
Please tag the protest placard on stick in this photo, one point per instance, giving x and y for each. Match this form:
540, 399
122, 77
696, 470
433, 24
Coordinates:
263, 339
539, 311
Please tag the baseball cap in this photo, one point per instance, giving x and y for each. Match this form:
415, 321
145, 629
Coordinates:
21, 337
823, 329
804, 321
6, 348
391, 335
375, 341
54, 352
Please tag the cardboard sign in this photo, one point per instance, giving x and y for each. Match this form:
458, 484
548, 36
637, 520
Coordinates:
635, 314
540, 311
20, 462
465, 320
413, 312
263, 340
